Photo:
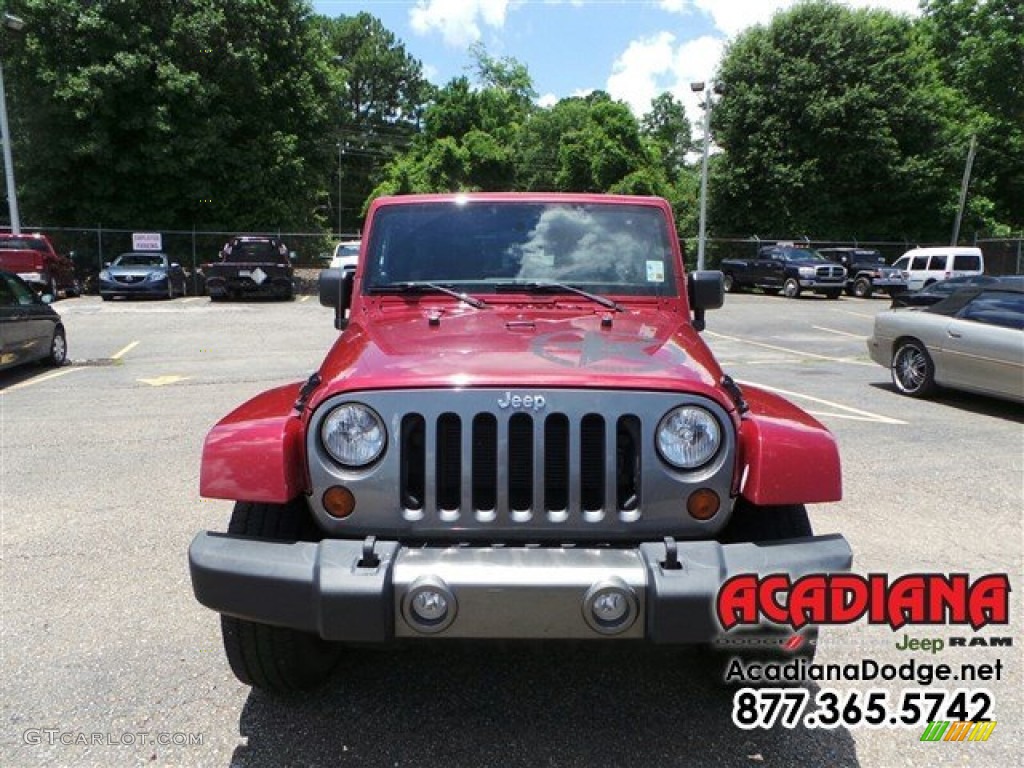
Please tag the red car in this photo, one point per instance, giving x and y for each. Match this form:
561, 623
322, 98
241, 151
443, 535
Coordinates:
34, 259
519, 434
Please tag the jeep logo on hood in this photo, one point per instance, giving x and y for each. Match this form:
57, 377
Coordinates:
529, 402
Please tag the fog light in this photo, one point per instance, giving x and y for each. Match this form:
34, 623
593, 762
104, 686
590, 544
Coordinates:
339, 501
429, 606
610, 606
703, 504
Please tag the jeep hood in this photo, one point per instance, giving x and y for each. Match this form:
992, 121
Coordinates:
462, 347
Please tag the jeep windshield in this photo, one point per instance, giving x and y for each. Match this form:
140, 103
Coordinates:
485, 246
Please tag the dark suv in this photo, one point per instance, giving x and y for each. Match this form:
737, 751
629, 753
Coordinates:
866, 271
251, 266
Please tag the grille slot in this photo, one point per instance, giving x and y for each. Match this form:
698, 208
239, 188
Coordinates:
552, 466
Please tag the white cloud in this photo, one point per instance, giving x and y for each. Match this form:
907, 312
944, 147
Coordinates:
651, 66
458, 21
547, 100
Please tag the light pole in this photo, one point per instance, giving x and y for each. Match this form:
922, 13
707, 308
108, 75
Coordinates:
14, 24
698, 87
341, 151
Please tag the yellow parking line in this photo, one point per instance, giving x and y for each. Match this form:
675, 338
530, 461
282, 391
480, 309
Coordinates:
41, 379
305, 299
125, 351
191, 299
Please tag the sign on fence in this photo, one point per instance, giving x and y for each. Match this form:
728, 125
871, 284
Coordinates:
147, 241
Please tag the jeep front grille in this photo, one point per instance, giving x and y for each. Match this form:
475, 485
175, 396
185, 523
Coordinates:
583, 464
551, 465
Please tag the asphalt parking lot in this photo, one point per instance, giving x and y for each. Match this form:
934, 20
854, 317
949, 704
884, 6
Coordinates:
108, 660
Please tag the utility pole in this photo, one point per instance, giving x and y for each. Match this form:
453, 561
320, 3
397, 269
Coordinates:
963, 189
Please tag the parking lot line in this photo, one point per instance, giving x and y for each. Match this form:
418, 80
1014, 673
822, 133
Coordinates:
795, 352
124, 351
839, 333
855, 414
41, 379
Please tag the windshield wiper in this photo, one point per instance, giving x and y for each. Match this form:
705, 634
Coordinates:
421, 287
547, 287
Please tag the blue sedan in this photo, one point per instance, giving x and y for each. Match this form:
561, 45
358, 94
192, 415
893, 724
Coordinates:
142, 274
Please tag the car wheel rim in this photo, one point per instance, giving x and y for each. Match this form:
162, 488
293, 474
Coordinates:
59, 349
790, 290
910, 369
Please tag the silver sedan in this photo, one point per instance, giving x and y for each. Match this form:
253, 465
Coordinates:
973, 341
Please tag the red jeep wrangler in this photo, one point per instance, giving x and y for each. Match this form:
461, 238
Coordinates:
519, 434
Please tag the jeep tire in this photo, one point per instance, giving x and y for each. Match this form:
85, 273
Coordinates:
276, 659
791, 289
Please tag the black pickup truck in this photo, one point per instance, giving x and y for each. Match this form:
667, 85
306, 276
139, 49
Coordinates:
866, 271
251, 266
785, 268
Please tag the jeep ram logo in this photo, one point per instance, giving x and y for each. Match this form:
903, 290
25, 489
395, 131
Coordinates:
529, 402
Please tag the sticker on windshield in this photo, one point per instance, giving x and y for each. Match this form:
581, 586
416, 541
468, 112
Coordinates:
655, 272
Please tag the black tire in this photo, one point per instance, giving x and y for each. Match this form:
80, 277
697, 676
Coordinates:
51, 288
834, 294
750, 523
913, 372
729, 283
276, 659
105, 297
791, 289
58, 354
863, 288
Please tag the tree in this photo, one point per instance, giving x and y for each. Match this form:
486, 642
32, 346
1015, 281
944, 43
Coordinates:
668, 130
382, 98
834, 120
980, 49
170, 115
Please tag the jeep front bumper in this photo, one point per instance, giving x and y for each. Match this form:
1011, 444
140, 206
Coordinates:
377, 591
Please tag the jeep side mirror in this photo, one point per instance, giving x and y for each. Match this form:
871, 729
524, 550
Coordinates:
336, 291
706, 290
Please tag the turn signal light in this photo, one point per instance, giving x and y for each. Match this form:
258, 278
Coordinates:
703, 504
339, 501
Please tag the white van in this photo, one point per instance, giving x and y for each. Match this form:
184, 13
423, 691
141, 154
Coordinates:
924, 266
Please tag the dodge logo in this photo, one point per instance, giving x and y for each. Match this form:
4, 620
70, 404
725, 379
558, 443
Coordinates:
529, 402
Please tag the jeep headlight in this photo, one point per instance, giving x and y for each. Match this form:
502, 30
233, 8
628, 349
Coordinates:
353, 434
806, 271
688, 437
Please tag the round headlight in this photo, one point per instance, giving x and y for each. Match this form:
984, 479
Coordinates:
353, 435
688, 437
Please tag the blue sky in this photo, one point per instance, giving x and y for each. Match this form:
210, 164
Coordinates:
634, 49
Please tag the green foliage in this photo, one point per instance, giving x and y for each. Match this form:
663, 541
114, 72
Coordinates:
382, 96
980, 47
203, 113
834, 120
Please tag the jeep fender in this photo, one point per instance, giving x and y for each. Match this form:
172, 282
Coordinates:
786, 455
255, 452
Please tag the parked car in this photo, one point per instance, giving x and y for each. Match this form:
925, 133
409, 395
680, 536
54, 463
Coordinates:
936, 292
251, 266
146, 273
346, 254
924, 266
33, 258
30, 329
866, 271
787, 268
972, 340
